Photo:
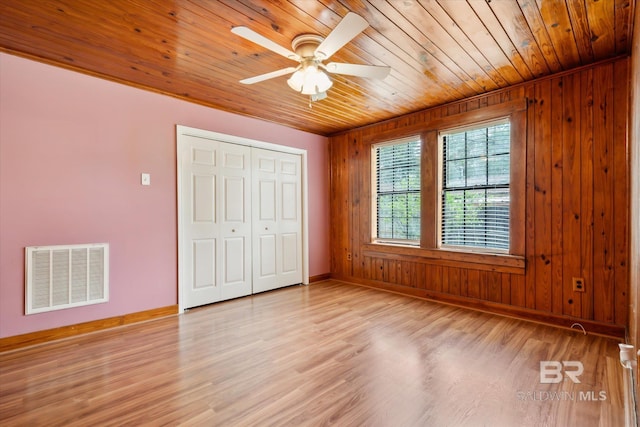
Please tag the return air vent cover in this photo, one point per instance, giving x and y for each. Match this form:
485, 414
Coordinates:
66, 276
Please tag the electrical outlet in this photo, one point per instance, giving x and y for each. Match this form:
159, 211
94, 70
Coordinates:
578, 284
348, 256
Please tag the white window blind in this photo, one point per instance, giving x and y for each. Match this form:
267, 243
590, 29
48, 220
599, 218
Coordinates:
475, 187
397, 190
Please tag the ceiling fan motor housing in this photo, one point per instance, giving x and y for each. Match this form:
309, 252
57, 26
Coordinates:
305, 46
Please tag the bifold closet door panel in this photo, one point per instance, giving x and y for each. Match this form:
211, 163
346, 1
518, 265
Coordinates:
200, 230
234, 207
216, 220
277, 219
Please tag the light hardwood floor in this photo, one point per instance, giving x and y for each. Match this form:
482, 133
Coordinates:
326, 354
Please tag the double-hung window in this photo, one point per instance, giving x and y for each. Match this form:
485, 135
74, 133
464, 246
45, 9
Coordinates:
456, 191
475, 187
397, 190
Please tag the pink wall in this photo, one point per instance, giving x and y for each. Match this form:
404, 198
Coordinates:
72, 148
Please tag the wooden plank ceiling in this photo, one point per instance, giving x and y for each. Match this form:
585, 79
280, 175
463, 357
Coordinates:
439, 50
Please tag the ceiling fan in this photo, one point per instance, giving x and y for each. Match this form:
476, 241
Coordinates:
310, 50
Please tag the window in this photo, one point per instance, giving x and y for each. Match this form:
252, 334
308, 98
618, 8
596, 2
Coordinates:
397, 190
466, 202
475, 186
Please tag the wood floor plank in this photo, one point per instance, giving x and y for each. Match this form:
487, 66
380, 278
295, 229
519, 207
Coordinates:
328, 353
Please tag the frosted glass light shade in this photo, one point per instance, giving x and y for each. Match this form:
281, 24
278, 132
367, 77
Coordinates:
310, 81
296, 80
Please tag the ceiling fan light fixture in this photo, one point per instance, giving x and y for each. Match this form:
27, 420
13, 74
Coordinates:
310, 81
315, 81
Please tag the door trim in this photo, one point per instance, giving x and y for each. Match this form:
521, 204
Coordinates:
181, 132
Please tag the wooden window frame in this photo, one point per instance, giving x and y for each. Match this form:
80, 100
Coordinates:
441, 185
374, 193
512, 261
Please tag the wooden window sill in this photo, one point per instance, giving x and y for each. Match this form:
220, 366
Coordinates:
504, 263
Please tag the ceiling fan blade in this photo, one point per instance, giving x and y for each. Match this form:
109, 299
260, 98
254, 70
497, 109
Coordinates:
350, 26
258, 39
370, 71
267, 76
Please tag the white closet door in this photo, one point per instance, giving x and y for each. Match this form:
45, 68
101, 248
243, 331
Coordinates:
235, 220
277, 223
216, 218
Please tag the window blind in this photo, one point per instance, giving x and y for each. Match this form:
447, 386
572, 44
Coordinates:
475, 187
397, 188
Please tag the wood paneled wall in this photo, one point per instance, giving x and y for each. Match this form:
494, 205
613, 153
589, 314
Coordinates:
577, 207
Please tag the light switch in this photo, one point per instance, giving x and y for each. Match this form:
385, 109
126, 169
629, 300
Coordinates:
145, 179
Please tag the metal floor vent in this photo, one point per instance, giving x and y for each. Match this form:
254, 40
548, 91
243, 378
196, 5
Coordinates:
65, 276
